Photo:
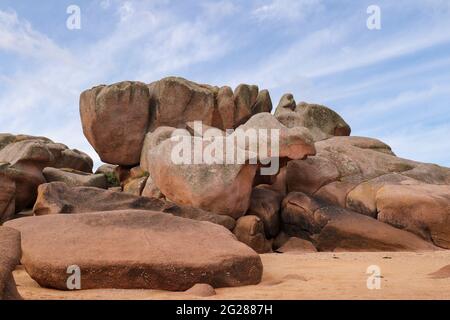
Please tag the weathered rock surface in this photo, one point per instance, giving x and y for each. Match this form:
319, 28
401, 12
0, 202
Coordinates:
320, 120
75, 178
175, 101
223, 189
106, 169
7, 138
266, 204
332, 228
225, 109
7, 196
293, 143
276, 183
152, 139
115, 120
151, 190
250, 230
134, 249
57, 197
263, 103
244, 99
10, 253
22, 159
423, 209
26, 182
42, 152
358, 173
135, 186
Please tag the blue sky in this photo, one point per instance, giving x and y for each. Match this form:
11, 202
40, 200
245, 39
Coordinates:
392, 84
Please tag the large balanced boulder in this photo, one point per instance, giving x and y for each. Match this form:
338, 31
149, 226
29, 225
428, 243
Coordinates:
134, 250
58, 198
322, 121
115, 119
364, 175
10, 253
332, 228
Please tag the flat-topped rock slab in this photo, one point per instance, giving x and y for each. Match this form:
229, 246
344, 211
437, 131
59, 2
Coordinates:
134, 249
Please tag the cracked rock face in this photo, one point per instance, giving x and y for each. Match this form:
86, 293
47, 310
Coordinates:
363, 175
332, 228
22, 160
116, 118
59, 198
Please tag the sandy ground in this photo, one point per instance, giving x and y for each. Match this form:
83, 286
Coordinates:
303, 277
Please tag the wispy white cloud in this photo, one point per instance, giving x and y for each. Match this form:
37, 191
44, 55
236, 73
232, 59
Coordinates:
18, 37
287, 10
219, 9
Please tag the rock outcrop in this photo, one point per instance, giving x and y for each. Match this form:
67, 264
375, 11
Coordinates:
37, 153
156, 215
265, 204
22, 160
7, 195
74, 178
323, 122
220, 188
364, 175
250, 230
116, 118
217, 186
58, 198
134, 250
10, 253
332, 228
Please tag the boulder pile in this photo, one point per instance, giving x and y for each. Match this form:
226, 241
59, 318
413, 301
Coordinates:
22, 162
145, 220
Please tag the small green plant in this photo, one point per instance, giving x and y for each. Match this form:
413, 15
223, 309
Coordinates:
112, 179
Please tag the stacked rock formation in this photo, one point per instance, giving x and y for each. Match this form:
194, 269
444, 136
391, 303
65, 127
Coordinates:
22, 162
145, 221
351, 176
